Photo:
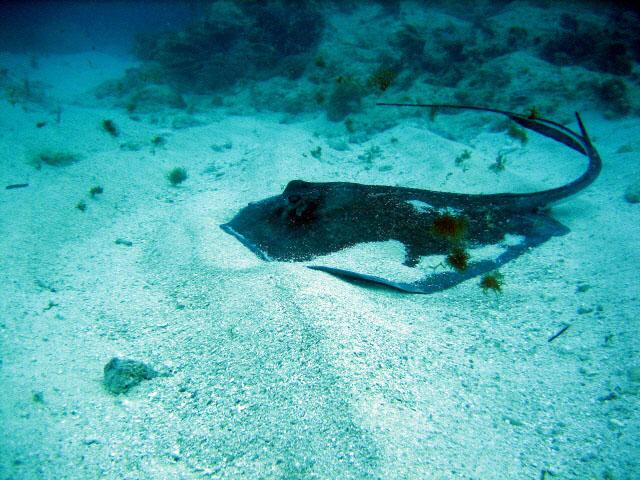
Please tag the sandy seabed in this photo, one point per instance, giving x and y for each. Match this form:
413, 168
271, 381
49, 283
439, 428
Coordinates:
276, 371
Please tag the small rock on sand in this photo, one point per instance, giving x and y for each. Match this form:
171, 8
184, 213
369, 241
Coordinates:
121, 374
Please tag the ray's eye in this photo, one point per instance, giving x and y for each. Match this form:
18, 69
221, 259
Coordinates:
299, 209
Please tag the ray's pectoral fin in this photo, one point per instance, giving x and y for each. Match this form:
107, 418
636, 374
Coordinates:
538, 228
363, 278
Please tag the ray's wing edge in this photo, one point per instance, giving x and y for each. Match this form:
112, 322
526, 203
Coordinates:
444, 280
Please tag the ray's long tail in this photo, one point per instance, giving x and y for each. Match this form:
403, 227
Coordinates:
579, 142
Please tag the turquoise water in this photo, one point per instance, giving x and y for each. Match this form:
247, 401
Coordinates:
139, 340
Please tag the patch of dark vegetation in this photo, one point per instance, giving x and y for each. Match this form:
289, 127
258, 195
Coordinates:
410, 41
97, 190
382, 78
458, 259
613, 96
317, 153
624, 23
452, 53
345, 99
517, 37
568, 22
469, 56
23, 91
273, 49
158, 141
595, 48
452, 227
241, 40
109, 126
177, 175
53, 158
492, 281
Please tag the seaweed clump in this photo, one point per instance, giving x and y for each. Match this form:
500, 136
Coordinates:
109, 126
177, 175
382, 78
458, 259
492, 281
450, 226
158, 141
453, 228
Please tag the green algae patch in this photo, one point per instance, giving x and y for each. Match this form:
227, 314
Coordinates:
53, 158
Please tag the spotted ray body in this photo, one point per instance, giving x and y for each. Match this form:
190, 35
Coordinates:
309, 219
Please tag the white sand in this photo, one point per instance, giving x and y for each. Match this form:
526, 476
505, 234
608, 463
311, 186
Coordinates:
278, 371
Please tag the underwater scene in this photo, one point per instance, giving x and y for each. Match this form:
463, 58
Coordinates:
332, 239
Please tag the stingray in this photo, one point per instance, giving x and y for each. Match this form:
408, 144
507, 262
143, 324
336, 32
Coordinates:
310, 219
